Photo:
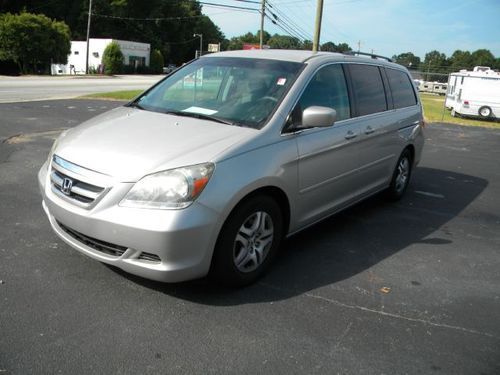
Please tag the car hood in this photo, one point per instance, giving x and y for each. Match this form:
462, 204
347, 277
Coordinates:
128, 143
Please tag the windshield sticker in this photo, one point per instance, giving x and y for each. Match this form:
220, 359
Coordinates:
200, 110
281, 81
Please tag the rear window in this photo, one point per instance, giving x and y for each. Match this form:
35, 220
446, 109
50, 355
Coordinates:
403, 94
368, 89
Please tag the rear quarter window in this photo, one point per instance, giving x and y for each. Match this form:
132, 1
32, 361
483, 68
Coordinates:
368, 89
403, 94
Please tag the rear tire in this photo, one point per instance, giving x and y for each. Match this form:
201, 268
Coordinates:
485, 112
248, 242
401, 176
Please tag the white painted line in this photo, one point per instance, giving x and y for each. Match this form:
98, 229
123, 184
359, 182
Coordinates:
441, 196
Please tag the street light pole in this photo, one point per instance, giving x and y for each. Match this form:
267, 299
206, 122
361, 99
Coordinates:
88, 37
262, 15
201, 43
317, 26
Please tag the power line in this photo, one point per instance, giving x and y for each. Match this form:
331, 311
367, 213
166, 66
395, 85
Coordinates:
303, 28
288, 20
289, 27
226, 6
249, 1
146, 19
286, 28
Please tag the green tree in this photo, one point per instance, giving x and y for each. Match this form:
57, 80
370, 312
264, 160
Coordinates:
169, 28
284, 42
112, 59
497, 63
33, 41
332, 47
156, 61
343, 47
460, 60
407, 59
307, 45
237, 42
435, 62
328, 47
483, 57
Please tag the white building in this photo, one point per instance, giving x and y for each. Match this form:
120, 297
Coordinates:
134, 53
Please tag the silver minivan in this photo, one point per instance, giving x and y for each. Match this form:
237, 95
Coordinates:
208, 170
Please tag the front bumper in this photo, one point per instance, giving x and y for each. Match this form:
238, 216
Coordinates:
162, 245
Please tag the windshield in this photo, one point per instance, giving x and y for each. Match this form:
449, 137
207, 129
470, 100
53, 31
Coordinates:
238, 91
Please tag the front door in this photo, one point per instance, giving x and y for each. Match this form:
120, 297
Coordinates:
327, 156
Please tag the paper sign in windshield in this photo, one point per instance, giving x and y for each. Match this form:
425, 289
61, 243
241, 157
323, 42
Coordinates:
200, 110
281, 81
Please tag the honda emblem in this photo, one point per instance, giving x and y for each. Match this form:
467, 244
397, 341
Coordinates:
67, 185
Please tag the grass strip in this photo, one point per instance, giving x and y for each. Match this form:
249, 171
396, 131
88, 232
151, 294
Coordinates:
116, 95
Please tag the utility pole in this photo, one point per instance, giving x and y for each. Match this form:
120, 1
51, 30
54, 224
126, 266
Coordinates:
201, 44
88, 37
359, 45
317, 25
262, 15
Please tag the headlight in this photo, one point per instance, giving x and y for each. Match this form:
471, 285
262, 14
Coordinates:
175, 188
54, 145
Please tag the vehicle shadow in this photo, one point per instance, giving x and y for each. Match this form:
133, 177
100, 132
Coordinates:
348, 243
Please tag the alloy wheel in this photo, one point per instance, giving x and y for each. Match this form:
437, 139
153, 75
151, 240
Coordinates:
253, 241
403, 171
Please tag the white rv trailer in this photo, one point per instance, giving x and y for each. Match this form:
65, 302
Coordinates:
432, 87
474, 93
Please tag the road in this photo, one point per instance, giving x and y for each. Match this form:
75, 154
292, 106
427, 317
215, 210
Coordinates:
16, 89
383, 288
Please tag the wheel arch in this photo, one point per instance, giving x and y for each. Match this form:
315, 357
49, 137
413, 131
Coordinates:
410, 147
274, 192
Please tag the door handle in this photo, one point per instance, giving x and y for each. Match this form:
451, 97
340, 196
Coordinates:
350, 135
369, 130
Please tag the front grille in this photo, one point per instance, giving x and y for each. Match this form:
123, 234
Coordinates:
101, 246
72, 188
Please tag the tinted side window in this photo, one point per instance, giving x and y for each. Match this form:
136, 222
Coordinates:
402, 89
368, 89
327, 88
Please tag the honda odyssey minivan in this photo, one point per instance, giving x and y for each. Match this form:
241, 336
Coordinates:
208, 170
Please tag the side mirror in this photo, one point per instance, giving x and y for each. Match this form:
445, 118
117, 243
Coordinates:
318, 117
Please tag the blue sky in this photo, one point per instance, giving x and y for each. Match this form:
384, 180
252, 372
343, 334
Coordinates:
388, 27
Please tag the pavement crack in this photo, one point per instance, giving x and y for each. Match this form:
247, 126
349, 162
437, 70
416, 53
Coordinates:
8, 139
344, 334
387, 314
398, 316
27, 137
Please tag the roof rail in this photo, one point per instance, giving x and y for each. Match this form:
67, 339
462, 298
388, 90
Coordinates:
373, 56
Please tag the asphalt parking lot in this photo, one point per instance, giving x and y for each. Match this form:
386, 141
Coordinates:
383, 288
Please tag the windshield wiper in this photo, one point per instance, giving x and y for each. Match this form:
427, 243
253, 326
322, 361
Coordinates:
135, 105
200, 116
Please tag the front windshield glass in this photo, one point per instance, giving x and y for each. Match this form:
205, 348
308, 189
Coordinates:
237, 91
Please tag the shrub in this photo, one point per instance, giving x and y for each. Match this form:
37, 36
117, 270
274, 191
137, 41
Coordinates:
156, 61
33, 41
112, 59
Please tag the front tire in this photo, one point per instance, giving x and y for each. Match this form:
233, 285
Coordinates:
248, 242
401, 176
